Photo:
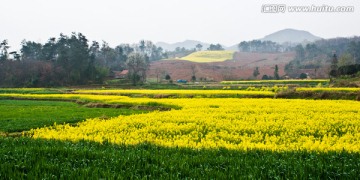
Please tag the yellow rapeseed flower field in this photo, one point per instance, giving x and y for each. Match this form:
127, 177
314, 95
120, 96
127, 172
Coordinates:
232, 123
178, 93
209, 56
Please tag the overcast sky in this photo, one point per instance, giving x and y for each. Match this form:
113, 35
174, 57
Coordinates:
127, 21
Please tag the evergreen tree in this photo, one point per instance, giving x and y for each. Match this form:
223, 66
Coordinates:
334, 66
276, 73
256, 72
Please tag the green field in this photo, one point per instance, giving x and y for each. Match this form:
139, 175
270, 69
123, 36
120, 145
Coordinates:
209, 56
299, 82
21, 115
329, 89
25, 158
32, 90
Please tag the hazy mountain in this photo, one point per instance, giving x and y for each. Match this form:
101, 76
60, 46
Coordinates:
285, 35
233, 47
188, 44
291, 35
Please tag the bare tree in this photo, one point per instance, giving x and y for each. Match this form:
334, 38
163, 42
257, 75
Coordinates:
199, 47
193, 72
137, 65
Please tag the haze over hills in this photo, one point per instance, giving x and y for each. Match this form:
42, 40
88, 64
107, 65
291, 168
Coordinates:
286, 35
291, 35
187, 44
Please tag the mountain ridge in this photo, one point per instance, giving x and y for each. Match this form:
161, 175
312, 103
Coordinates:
287, 35
291, 35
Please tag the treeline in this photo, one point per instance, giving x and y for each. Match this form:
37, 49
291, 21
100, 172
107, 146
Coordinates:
320, 54
182, 51
348, 69
262, 46
67, 60
179, 52
215, 47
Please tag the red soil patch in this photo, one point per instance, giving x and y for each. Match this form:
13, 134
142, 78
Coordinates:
241, 67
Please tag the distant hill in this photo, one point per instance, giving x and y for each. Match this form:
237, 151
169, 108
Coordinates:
291, 35
233, 47
188, 44
286, 35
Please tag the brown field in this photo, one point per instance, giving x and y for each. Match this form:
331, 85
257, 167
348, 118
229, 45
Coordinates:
241, 67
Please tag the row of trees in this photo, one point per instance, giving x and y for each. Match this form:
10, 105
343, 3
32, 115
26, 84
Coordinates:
70, 60
182, 51
215, 47
338, 69
260, 46
276, 76
178, 52
320, 54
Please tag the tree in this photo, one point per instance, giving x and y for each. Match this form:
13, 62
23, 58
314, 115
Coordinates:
354, 50
193, 78
193, 71
16, 55
215, 47
311, 51
244, 46
276, 73
334, 66
300, 52
108, 56
259, 46
67, 60
177, 49
199, 47
122, 52
142, 45
256, 72
349, 69
74, 58
4, 51
265, 77
167, 77
31, 51
346, 59
49, 50
150, 50
137, 65
303, 76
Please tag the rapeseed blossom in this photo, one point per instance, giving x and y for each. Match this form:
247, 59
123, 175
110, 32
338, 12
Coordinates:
232, 123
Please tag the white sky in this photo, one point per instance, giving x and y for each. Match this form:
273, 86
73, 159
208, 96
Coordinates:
127, 21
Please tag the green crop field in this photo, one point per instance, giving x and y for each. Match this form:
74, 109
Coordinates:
300, 82
26, 158
209, 56
20, 115
32, 90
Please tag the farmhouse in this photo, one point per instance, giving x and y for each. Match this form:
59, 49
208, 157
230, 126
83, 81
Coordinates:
121, 74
